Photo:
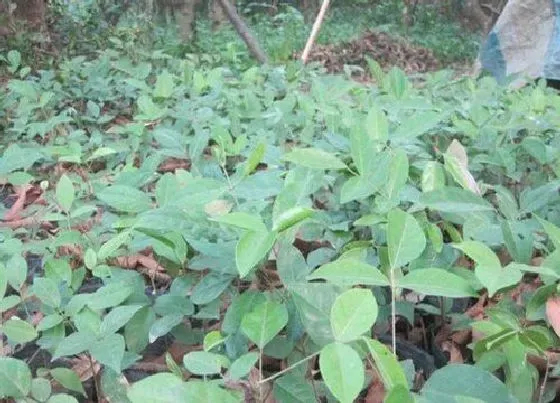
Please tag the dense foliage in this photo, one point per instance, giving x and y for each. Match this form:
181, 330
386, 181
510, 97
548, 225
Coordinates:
258, 232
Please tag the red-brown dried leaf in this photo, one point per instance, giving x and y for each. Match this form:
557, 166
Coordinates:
553, 313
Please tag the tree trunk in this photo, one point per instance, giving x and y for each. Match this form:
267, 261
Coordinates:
217, 14
32, 13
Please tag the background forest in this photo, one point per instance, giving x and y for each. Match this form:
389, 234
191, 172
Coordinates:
184, 218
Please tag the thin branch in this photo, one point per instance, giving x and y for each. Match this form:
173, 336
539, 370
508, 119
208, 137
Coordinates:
244, 32
295, 364
315, 31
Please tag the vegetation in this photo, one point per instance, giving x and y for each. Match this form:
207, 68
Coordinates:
190, 227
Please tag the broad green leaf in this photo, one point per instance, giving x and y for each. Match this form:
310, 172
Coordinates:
47, 291
203, 362
387, 365
370, 181
41, 389
454, 200
291, 217
436, 282
353, 313
16, 271
110, 295
291, 388
49, 321
552, 230
158, 388
377, 125
208, 392
125, 198
479, 252
210, 288
251, 249
65, 193
109, 351
137, 329
455, 381
488, 268
239, 307
18, 331
405, 238
398, 175
314, 158
113, 244
69, 379
117, 318
73, 344
349, 272
164, 325
112, 388
342, 370
15, 378
169, 304
264, 322
418, 124
90, 259
212, 340
62, 398
164, 85
251, 222
400, 394
9, 302
3, 280
241, 367
255, 158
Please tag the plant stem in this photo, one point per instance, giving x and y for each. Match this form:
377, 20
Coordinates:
543, 385
393, 312
295, 364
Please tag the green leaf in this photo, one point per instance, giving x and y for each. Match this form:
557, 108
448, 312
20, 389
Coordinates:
73, 344
241, 367
433, 177
109, 351
164, 325
488, 268
9, 302
456, 381
203, 362
164, 85
49, 321
110, 295
251, 222
264, 322
158, 388
170, 304
41, 389
353, 313
47, 291
387, 365
62, 398
19, 331
377, 125
207, 392
552, 230
137, 329
349, 272
3, 280
454, 200
117, 318
436, 282
342, 370
65, 193
212, 340
405, 238
125, 198
291, 388
69, 379
251, 249
398, 175
210, 288
314, 158
15, 378
16, 271
255, 158
113, 244
291, 217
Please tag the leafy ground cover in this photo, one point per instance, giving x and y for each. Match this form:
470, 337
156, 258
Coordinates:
174, 229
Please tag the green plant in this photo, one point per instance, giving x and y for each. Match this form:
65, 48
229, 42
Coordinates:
276, 221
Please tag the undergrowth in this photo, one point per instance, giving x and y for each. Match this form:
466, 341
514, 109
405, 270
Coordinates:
191, 228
